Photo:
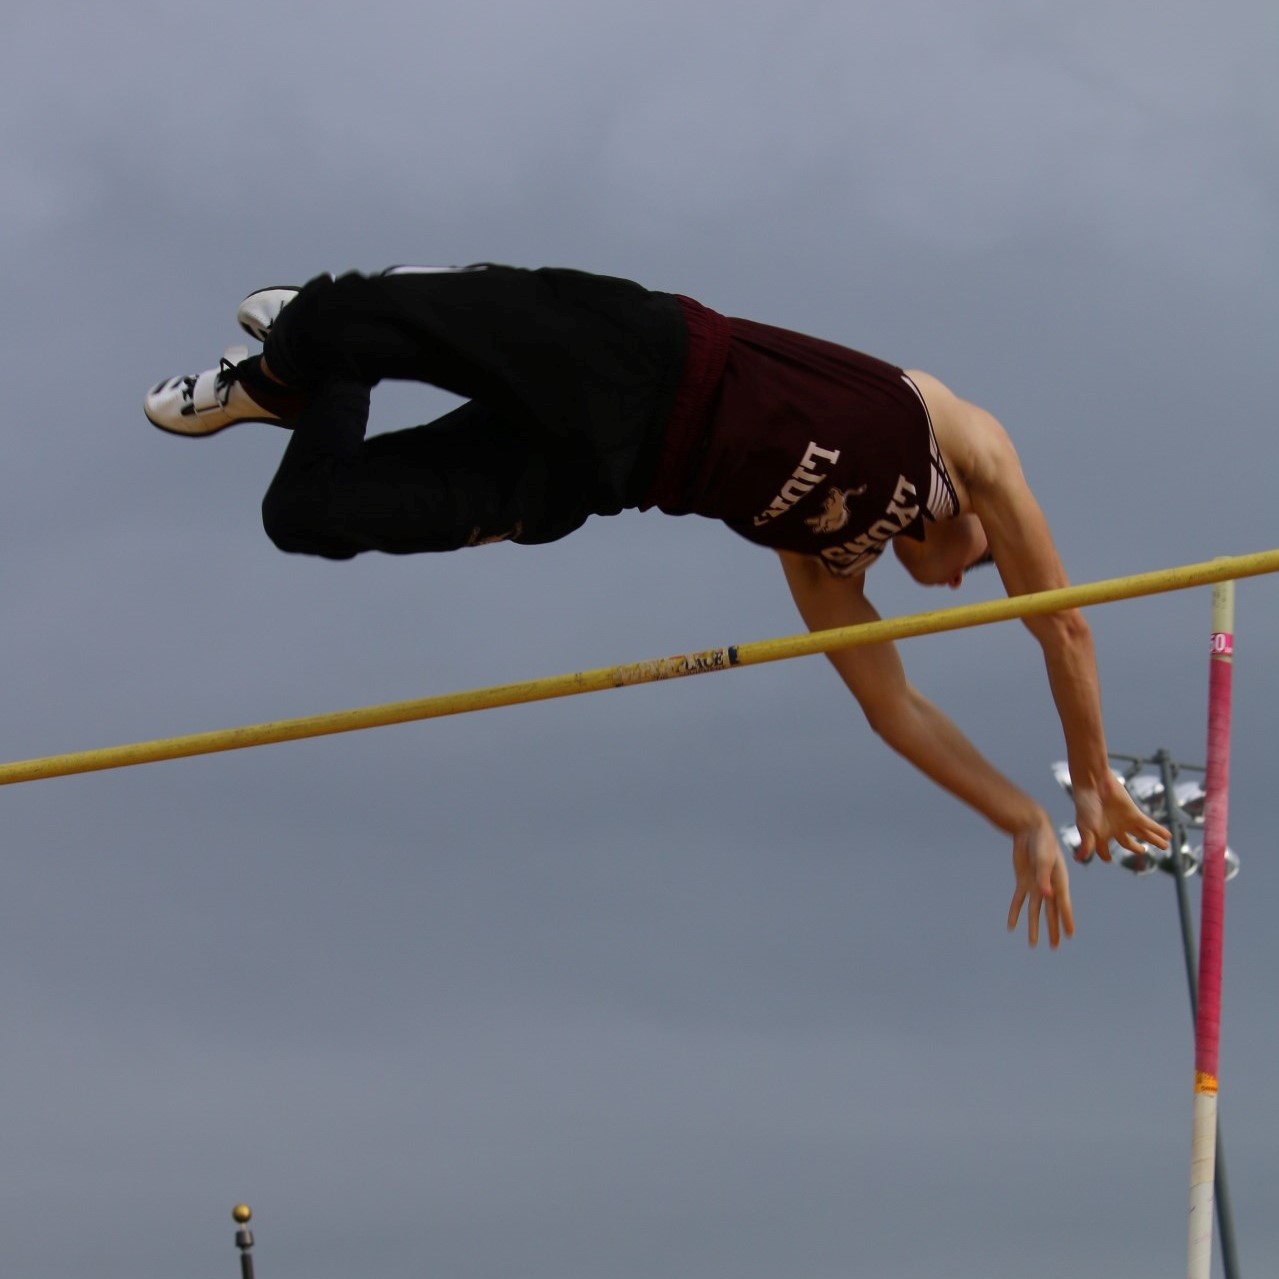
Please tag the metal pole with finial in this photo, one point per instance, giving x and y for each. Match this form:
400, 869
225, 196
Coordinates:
243, 1214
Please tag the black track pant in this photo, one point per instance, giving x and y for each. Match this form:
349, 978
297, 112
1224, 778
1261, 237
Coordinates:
569, 379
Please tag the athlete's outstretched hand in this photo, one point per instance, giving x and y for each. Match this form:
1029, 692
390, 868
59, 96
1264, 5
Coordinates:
1108, 813
1042, 880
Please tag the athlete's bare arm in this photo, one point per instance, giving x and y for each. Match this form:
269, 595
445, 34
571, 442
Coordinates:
989, 482
917, 730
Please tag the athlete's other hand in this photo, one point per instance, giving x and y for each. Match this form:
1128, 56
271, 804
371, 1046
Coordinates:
1107, 812
1042, 881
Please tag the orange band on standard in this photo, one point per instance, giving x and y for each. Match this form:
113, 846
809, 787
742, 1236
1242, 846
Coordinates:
1205, 1082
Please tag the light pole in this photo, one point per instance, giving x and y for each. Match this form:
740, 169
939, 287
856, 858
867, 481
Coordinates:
1153, 783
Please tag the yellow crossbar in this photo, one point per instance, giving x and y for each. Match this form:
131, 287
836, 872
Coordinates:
714, 659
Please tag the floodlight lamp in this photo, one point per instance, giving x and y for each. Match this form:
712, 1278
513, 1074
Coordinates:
1190, 797
1232, 864
1184, 861
1141, 863
1148, 791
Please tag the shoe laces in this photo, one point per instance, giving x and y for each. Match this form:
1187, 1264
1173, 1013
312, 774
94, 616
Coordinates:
227, 375
225, 380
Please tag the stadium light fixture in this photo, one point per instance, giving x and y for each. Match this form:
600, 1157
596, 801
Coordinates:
1190, 796
1150, 780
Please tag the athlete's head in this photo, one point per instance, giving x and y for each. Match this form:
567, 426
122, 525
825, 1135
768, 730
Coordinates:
949, 549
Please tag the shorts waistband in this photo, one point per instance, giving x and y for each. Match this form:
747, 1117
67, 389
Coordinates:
686, 426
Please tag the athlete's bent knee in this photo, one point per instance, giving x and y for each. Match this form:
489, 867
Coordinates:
298, 524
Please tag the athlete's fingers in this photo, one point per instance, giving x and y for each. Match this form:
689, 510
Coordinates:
1086, 844
1153, 833
1044, 881
1067, 911
1032, 919
1088, 840
1014, 911
1054, 924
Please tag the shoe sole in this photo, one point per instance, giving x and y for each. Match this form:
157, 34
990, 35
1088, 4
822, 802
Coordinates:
216, 430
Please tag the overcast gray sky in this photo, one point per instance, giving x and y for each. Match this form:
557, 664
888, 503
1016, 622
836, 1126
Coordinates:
693, 979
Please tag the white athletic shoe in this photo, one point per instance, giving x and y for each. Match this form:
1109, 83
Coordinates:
210, 401
258, 311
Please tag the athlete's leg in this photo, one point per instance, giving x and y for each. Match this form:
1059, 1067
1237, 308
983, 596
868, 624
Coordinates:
580, 360
570, 376
460, 481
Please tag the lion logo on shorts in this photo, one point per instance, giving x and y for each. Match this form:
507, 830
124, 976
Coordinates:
835, 513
